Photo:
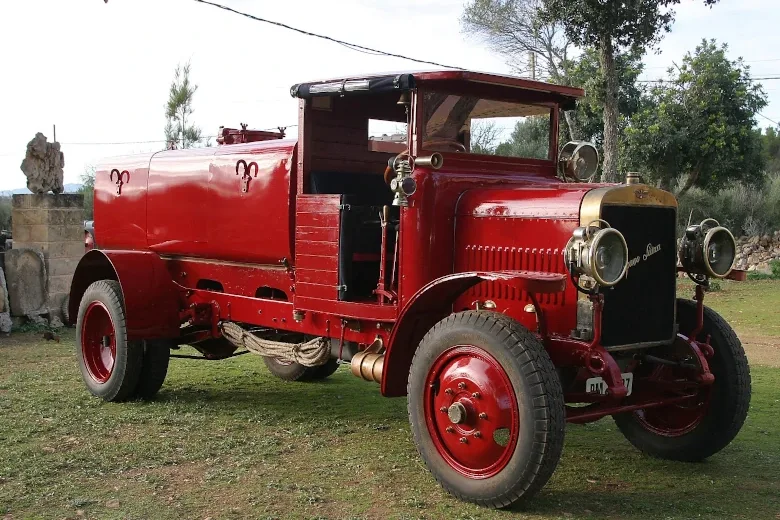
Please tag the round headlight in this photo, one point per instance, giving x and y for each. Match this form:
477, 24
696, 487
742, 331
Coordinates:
608, 257
578, 161
708, 249
601, 254
720, 249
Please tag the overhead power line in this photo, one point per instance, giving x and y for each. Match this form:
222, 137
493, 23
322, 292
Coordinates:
352, 46
770, 120
761, 78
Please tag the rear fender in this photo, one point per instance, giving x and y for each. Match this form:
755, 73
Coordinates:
151, 297
434, 302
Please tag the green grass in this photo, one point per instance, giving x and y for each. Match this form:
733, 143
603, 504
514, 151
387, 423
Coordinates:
226, 440
752, 307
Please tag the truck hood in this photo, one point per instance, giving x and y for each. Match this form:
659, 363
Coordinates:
553, 201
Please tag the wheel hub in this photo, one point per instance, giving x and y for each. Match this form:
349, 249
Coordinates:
469, 399
457, 413
98, 342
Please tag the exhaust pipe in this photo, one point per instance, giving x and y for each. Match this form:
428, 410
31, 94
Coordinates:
368, 364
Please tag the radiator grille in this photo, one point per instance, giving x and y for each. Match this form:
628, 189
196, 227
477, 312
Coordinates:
641, 308
491, 258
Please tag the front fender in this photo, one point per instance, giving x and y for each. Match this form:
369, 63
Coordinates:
151, 298
434, 302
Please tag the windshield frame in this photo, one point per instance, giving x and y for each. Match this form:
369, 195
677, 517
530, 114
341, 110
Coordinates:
490, 92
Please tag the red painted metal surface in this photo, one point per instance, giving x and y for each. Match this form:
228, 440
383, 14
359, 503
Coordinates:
235, 233
433, 302
98, 342
120, 217
151, 298
469, 402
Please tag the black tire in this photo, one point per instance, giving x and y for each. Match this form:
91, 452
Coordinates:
324, 371
126, 369
540, 406
154, 368
730, 398
298, 372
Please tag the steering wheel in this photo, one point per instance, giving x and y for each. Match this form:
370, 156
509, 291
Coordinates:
445, 141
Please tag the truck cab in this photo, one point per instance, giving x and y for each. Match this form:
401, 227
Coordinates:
428, 230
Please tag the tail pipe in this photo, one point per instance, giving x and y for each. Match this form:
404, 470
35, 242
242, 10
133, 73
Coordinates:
368, 364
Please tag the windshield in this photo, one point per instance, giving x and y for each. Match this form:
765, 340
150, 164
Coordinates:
466, 124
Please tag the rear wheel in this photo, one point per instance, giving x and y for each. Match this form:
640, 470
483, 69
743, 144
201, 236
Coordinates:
110, 365
290, 371
695, 429
486, 408
154, 368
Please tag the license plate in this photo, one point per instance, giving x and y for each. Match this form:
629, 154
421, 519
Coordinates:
597, 385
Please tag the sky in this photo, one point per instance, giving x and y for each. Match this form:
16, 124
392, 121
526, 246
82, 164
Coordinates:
101, 71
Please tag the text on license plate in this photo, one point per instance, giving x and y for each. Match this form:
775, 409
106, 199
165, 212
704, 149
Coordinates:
597, 385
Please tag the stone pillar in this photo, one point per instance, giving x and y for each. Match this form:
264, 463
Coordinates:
53, 225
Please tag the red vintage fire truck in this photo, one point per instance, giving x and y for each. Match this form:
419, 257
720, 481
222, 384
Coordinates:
493, 286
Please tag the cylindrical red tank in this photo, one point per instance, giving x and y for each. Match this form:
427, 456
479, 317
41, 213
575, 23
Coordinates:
230, 203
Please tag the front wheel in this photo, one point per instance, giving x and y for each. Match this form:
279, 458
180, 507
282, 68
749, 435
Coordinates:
486, 408
696, 429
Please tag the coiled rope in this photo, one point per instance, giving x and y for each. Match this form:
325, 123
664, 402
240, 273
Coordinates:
311, 353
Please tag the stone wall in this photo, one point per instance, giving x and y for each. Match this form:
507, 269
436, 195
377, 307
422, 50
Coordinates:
755, 253
54, 226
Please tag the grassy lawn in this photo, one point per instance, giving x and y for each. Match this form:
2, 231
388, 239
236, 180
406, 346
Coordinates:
226, 440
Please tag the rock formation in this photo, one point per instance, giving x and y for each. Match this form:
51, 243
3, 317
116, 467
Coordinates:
43, 165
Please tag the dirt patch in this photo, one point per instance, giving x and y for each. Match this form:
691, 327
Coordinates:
761, 350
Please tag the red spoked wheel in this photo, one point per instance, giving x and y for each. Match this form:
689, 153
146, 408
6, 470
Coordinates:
471, 410
98, 342
486, 408
110, 365
676, 419
701, 426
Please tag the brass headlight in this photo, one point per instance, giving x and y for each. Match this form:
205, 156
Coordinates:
708, 249
600, 253
578, 161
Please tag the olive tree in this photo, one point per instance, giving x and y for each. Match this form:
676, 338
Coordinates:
179, 133
611, 26
697, 129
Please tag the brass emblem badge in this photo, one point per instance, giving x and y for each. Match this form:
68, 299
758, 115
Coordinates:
641, 193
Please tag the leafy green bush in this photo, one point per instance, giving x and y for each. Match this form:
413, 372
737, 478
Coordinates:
745, 210
774, 265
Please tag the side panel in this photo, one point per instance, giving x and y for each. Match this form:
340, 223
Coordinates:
496, 244
179, 202
120, 204
317, 248
252, 226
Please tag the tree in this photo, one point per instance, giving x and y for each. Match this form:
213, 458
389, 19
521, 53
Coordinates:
770, 149
586, 73
178, 132
530, 45
611, 26
699, 125
88, 190
530, 138
484, 135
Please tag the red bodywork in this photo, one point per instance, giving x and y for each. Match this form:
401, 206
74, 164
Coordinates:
231, 233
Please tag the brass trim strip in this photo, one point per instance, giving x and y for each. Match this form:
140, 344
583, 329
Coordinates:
270, 267
622, 195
